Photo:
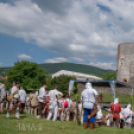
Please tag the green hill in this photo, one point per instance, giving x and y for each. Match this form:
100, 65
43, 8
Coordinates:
54, 67
87, 69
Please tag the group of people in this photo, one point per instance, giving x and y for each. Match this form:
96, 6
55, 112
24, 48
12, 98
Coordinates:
117, 116
52, 105
48, 104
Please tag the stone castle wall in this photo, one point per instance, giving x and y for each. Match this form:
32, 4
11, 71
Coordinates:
125, 62
108, 90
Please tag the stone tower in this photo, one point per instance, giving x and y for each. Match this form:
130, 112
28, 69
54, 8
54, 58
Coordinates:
125, 62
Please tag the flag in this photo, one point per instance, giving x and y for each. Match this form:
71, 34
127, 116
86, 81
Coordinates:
71, 84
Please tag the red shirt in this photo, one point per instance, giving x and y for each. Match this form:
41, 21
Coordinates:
115, 108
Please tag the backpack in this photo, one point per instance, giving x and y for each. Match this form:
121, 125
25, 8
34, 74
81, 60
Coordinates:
65, 104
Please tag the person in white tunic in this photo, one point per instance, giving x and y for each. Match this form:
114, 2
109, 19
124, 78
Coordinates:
98, 118
53, 106
88, 97
2, 95
128, 113
42, 94
22, 98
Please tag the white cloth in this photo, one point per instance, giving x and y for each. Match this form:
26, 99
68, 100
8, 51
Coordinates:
128, 113
60, 102
54, 105
99, 113
15, 92
54, 111
88, 96
53, 94
2, 90
108, 119
116, 100
42, 93
22, 94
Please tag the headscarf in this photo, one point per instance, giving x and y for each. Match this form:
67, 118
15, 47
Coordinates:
128, 106
88, 85
116, 100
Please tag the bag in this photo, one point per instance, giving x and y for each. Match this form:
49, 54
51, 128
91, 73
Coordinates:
66, 104
9, 98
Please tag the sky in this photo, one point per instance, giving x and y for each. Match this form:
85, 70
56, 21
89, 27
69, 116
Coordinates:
53, 31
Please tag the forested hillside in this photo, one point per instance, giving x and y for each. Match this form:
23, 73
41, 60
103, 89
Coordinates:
54, 67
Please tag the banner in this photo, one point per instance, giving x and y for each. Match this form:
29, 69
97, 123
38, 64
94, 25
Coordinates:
112, 85
71, 84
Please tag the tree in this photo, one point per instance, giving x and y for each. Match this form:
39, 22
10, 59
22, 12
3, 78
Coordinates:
29, 74
109, 75
61, 81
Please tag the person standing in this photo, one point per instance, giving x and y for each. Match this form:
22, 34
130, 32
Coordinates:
115, 109
89, 97
27, 105
42, 94
34, 103
3, 95
15, 101
22, 97
127, 114
53, 106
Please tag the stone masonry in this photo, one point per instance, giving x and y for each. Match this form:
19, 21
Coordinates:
125, 62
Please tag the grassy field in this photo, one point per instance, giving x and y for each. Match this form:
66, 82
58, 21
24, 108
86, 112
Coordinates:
30, 125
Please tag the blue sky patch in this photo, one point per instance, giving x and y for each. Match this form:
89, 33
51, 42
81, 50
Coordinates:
104, 8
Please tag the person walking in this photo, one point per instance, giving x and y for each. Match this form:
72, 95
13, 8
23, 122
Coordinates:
15, 101
89, 98
53, 106
22, 98
2, 95
42, 94
33, 103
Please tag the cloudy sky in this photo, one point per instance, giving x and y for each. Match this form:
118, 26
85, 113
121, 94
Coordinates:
77, 31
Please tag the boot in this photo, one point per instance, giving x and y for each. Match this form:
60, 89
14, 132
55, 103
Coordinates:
91, 125
85, 125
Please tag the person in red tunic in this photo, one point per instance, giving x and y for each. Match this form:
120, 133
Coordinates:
115, 110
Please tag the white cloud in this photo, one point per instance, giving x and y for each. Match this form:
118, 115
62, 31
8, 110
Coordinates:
56, 60
24, 56
79, 28
110, 66
1, 64
77, 59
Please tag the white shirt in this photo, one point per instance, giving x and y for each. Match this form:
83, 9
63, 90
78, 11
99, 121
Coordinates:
15, 92
2, 90
42, 93
53, 94
99, 113
88, 97
22, 94
128, 112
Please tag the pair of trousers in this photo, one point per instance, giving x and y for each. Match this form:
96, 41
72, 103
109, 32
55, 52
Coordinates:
34, 111
54, 111
41, 107
115, 121
15, 101
127, 125
28, 110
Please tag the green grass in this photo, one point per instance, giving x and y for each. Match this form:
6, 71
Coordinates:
123, 98
30, 125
